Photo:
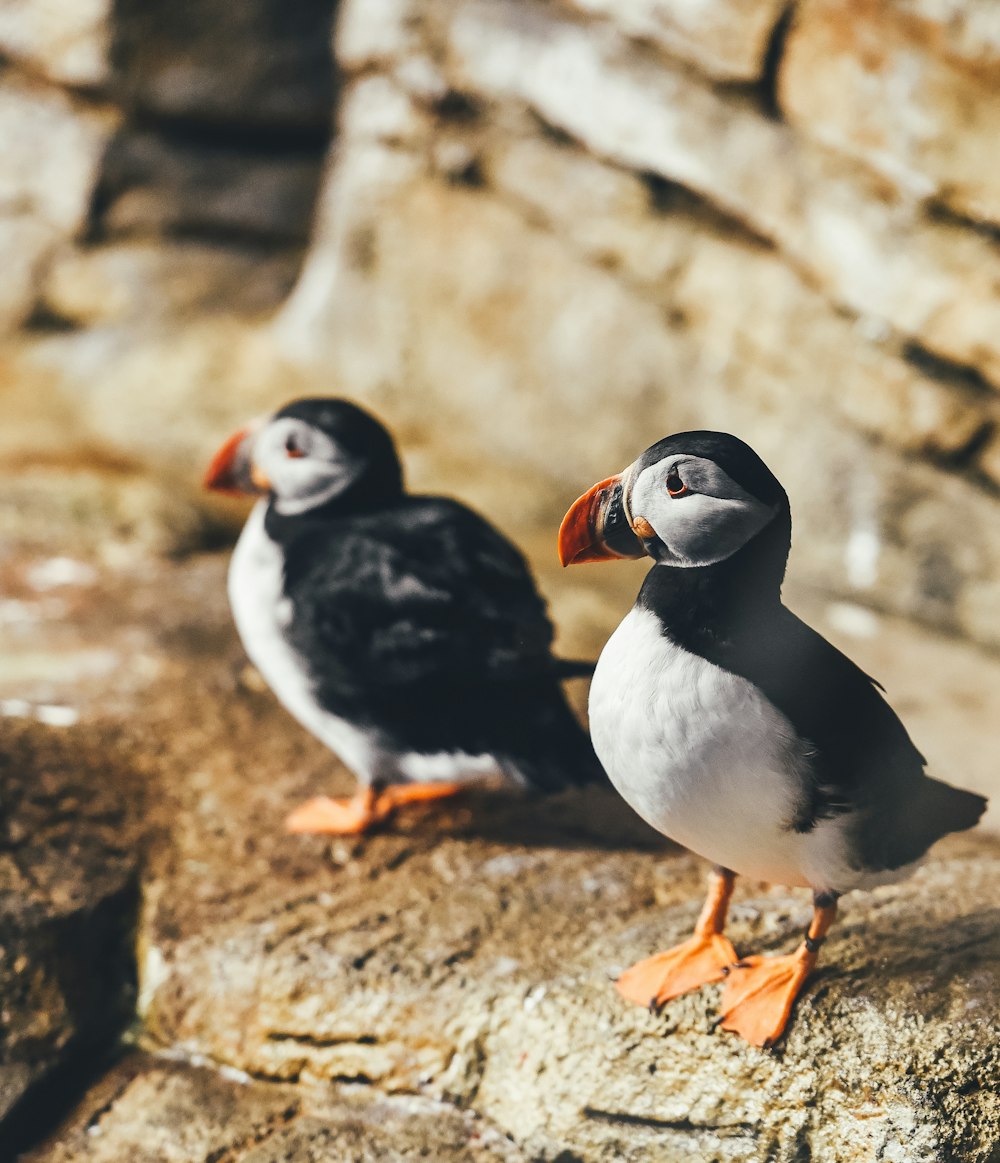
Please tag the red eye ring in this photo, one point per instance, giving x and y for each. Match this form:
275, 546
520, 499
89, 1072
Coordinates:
675, 486
292, 450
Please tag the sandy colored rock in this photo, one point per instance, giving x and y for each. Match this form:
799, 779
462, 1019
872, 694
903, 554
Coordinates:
199, 382
52, 149
379, 32
105, 509
496, 339
531, 220
968, 30
873, 250
989, 459
48, 168
569, 283
476, 965
69, 43
147, 1109
68, 902
468, 957
727, 39
872, 80
140, 281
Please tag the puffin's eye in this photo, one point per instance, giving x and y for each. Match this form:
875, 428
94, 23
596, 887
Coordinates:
292, 447
675, 486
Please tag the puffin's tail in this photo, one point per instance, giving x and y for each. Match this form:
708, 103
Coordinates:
954, 809
936, 811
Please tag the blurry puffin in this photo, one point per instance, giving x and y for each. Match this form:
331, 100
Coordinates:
403, 631
736, 730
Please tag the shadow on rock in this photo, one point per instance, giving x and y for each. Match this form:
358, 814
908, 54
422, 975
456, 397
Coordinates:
594, 817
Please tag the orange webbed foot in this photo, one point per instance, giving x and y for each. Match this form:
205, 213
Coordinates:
760, 992
400, 795
323, 816
657, 979
352, 817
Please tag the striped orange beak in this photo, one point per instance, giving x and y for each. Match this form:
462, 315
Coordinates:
232, 470
597, 526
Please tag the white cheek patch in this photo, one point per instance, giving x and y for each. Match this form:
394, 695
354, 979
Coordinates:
301, 483
709, 523
302, 487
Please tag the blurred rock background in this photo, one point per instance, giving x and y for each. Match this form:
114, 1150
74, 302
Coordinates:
534, 237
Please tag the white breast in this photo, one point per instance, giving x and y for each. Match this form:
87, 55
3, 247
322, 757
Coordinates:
706, 759
260, 610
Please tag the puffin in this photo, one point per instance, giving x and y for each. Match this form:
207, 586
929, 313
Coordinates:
404, 632
734, 728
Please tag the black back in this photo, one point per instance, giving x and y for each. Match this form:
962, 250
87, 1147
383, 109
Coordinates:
419, 620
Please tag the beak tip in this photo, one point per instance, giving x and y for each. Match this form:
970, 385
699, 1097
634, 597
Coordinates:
221, 476
581, 534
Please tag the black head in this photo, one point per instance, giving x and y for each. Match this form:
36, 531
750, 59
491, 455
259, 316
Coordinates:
691, 500
312, 452
733, 456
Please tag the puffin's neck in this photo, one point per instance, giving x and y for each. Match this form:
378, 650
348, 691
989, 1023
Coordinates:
361, 498
701, 606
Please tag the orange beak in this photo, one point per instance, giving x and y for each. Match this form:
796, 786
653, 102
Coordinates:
597, 527
232, 470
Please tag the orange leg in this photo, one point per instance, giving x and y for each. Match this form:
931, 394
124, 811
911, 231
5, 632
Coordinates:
761, 991
704, 957
365, 809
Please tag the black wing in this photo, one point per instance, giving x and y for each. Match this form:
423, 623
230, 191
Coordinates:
862, 758
426, 621
425, 592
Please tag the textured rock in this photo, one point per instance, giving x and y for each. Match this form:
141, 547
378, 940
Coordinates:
149, 1110
48, 168
141, 281
516, 949
83, 502
94, 372
167, 183
989, 459
469, 959
969, 30
477, 966
68, 902
874, 251
570, 287
260, 63
727, 39
530, 212
69, 43
52, 148
877, 81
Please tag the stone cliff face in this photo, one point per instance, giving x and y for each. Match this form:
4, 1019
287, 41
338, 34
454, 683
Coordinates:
442, 990
532, 236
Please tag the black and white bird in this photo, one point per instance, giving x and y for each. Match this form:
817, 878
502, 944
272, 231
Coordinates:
735, 729
403, 631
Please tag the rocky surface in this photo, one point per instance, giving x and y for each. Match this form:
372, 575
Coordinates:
465, 958
68, 907
534, 237
909, 93
150, 1109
